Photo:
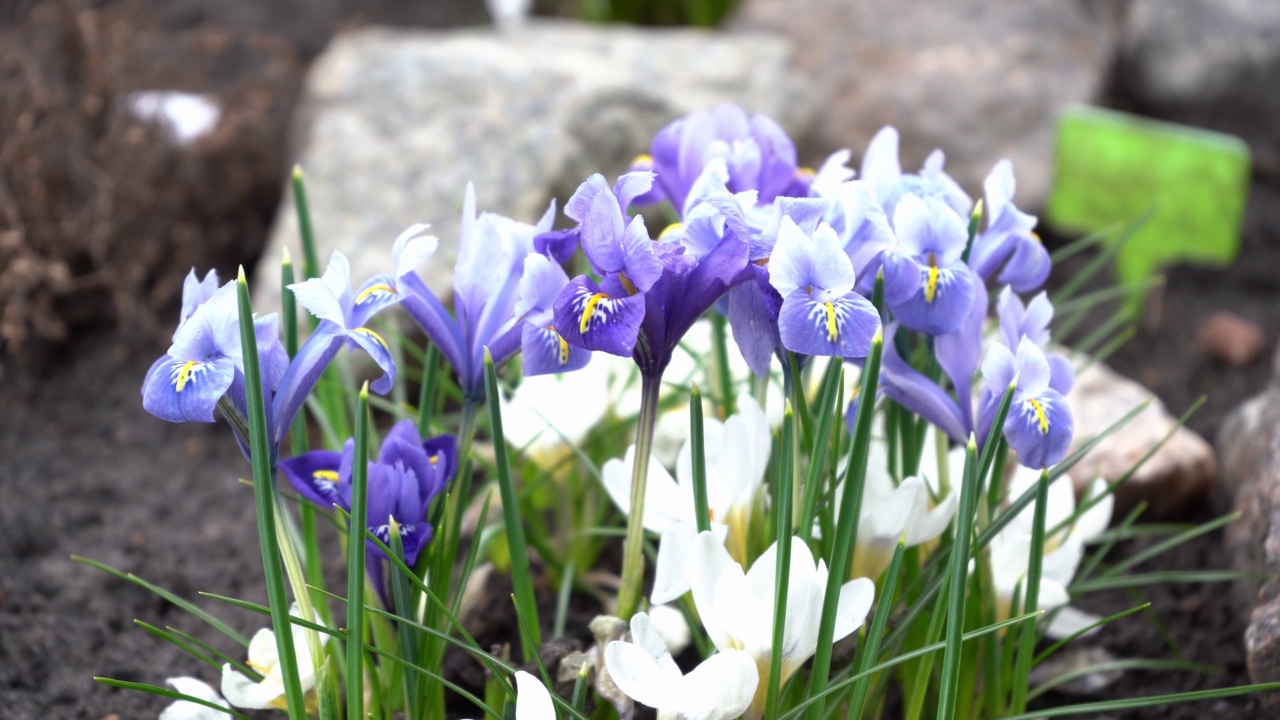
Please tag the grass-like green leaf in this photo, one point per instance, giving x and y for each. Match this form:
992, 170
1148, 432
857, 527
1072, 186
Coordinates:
357, 521
264, 504
165, 692
526, 604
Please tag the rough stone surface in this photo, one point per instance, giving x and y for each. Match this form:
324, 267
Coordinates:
393, 124
1180, 472
981, 80
1249, 445
1230, 339
1213, 62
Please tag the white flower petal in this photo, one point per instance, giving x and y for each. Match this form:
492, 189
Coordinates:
856, 597
1068, 621
664, 503
1094, 521
412, 248
670, 624
673, 571
533, 700
934, 522
185, 710
242, 692
720, 688
709, 562
637, 674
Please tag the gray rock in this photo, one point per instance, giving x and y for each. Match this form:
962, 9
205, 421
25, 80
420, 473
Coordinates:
393, 124
1249, 444
982, 80
1181, 471
1213, 62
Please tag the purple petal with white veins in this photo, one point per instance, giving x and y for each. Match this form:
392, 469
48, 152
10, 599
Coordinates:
841, 326
1039, 428
546, 352
180, 390
941, 303
591, 319
316, 476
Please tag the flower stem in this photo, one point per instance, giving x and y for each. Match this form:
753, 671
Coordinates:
633, 547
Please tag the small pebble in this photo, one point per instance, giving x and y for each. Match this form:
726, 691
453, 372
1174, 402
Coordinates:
1230, 339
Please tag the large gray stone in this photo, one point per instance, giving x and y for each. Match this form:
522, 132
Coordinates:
1182, 471
1212, 62
393, 124
982, 80
1249, 444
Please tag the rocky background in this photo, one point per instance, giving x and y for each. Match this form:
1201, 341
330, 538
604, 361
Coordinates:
390, 114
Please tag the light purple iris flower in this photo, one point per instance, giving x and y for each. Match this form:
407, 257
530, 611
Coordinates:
205, 358
820, 314
205, 365
1039, 425
407, 475
330, 299
927, 285
881, 168
1031, 321
1008, 251
959, 352
500, 290
753, 307
757, 152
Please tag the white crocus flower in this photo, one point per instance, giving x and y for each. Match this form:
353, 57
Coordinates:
541, 418
533, 700
737, 455
269, 693
187, 710
910, 509
737, 607
720, 688
1063, 550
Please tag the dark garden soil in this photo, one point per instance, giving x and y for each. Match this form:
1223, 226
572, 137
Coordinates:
83, 470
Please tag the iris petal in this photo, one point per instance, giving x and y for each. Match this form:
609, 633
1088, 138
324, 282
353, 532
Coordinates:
941, 303
186, 390
1040, 428
839, 327
316, 476
546, 352
591, 319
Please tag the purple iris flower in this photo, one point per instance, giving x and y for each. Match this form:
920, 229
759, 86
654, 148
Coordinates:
406, 476
633, 311
754, 307
1039, 425
493, 301
1042, 381
205, 358
881, 168
1031, 321
411, 249
204, 366
1008, 251
757, 152
330, 299
927, 285
820, 314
